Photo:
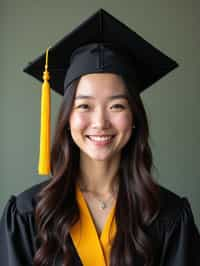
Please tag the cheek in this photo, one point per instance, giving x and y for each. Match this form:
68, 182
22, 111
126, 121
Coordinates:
123, 122
77, 121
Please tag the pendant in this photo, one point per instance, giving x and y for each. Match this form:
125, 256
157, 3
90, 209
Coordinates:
102, 205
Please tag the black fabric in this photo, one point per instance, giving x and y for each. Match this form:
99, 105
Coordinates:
102, 30
98, 58
174, 233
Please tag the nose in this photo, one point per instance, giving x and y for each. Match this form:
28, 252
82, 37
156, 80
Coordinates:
100, 119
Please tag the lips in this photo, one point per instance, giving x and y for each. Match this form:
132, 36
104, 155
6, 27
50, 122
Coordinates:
100, 140
100, 137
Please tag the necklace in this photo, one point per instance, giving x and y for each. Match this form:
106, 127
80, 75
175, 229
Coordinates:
103, 204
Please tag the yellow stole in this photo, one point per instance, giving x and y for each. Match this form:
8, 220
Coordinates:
92, 249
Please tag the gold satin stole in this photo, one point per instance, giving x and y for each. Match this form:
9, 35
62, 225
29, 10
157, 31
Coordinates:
92, 249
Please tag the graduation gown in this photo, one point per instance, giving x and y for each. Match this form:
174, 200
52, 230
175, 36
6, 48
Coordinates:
174, 232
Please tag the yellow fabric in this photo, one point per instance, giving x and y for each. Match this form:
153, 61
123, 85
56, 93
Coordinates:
44, 154
92, 249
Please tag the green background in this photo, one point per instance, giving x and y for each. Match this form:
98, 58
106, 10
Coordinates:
28, 27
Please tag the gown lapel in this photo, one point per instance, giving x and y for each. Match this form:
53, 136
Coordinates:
90, 247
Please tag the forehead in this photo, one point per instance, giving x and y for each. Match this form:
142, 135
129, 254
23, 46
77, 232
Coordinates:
100, 84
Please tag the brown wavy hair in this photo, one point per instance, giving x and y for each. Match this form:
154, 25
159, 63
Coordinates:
57, 209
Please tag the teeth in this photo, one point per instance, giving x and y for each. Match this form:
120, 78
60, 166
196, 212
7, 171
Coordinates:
100, 138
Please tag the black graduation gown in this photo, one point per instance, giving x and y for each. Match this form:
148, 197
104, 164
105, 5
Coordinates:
174, 232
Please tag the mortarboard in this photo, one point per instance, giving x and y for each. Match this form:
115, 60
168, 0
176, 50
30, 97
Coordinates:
101, 43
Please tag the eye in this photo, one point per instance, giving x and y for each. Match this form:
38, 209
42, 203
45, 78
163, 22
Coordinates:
83, 106
118, 106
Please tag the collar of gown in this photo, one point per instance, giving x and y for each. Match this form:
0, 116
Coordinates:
91, 248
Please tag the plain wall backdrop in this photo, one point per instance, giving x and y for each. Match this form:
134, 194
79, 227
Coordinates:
28, 27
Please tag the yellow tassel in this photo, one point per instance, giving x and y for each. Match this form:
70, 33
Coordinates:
45, 128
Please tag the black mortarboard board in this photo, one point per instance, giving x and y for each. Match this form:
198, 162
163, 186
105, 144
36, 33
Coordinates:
100, 44
107, 45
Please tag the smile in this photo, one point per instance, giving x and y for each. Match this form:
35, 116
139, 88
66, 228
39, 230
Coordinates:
100, 140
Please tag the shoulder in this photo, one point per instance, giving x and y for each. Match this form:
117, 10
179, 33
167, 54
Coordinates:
174, 221
170, 203
175, 229
173, 208
25, 201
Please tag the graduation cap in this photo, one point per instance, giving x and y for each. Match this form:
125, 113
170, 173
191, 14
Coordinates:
101, 44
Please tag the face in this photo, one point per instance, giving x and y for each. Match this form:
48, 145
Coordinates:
101, 120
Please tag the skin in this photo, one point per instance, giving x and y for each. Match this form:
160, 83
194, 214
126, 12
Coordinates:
100, 115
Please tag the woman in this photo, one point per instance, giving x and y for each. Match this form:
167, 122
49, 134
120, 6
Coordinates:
101, 205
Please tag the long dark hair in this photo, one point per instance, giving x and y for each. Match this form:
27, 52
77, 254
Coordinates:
57, 209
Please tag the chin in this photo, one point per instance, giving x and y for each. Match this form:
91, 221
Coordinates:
100, 157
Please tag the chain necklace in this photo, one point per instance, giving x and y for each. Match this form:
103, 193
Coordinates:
103, 204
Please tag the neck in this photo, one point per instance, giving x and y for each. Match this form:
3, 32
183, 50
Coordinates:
99, 176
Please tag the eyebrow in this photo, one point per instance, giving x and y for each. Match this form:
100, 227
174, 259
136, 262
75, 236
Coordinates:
113, 97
